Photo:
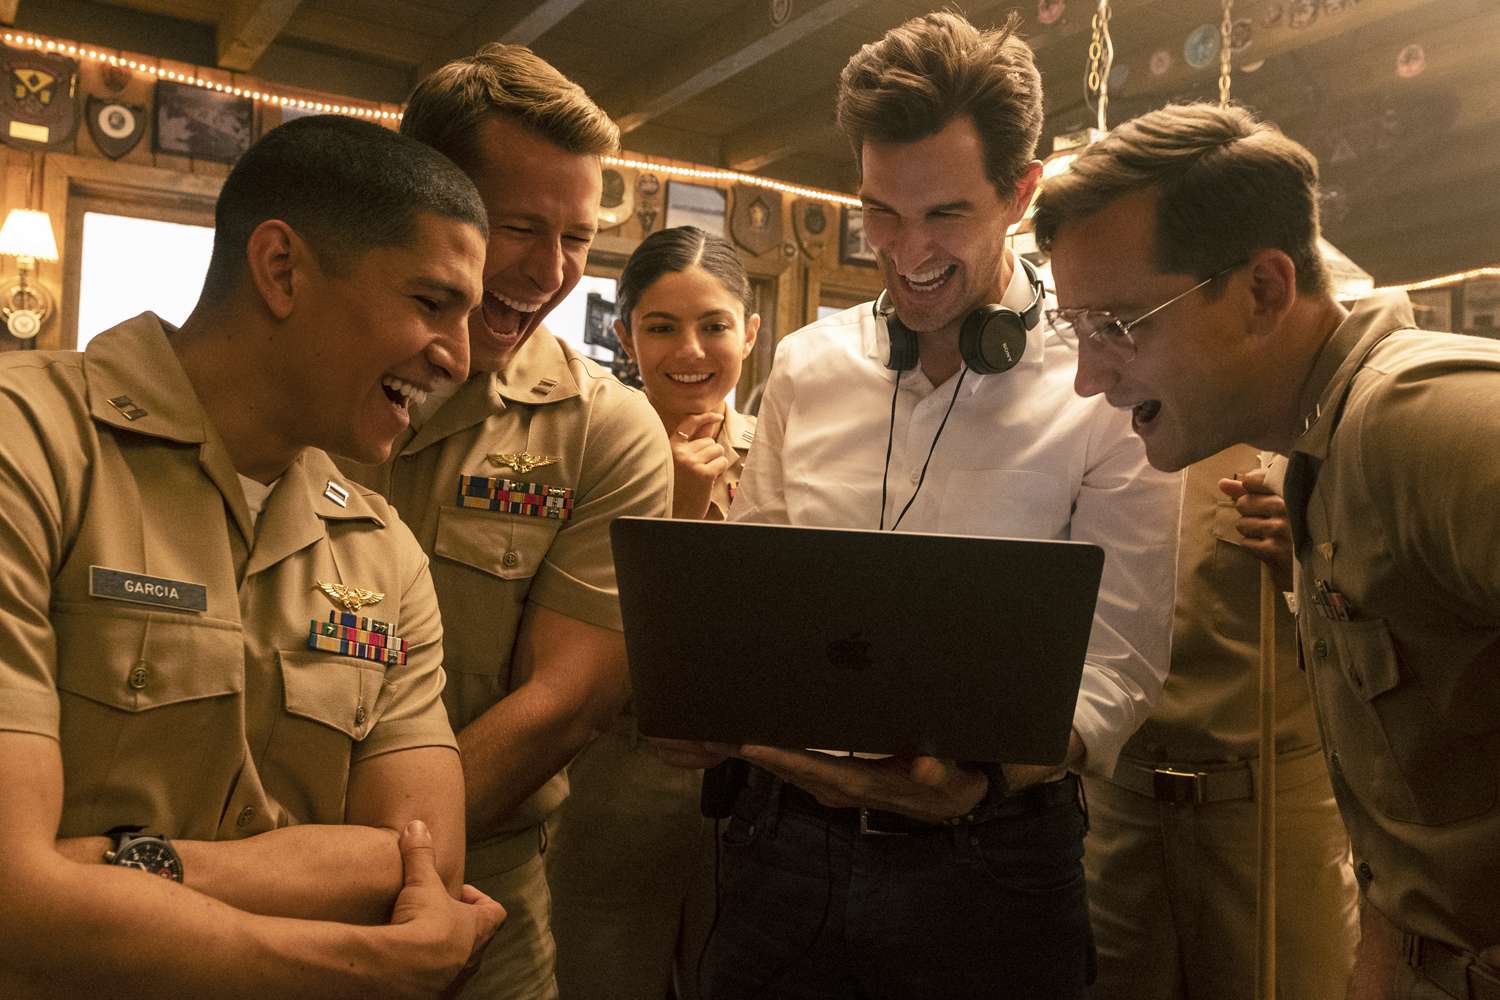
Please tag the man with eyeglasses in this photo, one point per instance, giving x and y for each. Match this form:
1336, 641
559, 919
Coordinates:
1390, 494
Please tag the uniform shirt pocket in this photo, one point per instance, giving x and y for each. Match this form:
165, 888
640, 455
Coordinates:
152, 719
1395, 749
330, 703
509, 546
1012, 503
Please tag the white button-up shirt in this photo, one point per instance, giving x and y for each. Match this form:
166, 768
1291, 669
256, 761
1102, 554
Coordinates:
1022, 456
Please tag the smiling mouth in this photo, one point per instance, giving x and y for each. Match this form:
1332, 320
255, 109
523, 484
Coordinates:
402, 393
689, 378
506, 317
930, 280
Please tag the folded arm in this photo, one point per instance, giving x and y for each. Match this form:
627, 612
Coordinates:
80, 930
319, 872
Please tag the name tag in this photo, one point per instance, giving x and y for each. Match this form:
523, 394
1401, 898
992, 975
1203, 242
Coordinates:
138, 588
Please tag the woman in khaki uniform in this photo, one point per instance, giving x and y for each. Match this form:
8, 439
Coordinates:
626, 845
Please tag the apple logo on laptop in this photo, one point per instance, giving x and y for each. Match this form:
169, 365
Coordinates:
852, 653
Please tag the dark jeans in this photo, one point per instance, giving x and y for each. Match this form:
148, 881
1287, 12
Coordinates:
812, 909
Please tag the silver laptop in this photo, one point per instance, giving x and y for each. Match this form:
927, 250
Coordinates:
864, 641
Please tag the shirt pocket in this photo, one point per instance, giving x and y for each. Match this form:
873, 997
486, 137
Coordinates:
1395, 749
483, 568
1010, 503
329, 703
508, 546
152, 725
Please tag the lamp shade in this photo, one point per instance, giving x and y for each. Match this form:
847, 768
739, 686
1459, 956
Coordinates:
28, 233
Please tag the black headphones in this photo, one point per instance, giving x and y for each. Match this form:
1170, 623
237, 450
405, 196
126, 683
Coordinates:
991, 339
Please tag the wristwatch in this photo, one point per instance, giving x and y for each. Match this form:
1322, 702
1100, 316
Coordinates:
150, 852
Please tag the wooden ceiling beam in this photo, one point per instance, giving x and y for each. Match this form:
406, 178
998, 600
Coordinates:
725, 48
496, 22
248, 27
8, 10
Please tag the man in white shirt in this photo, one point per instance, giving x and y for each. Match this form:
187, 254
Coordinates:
918, 877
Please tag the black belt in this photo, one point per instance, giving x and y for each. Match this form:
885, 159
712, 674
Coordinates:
1028, 801
1453, 971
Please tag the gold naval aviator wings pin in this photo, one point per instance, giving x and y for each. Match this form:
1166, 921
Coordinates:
520, 462
350, 598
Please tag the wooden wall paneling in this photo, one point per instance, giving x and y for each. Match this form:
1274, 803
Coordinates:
173, 193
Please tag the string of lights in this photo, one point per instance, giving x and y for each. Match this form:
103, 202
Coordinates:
93, 54
192, 79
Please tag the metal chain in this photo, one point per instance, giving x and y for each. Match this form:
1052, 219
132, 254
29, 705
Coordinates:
1101, 60
1226, 35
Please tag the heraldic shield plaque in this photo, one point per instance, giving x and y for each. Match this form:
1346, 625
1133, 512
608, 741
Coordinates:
39, 100
115, 126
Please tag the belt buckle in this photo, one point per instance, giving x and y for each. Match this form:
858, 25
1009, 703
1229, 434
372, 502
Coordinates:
1177, 787
867, 830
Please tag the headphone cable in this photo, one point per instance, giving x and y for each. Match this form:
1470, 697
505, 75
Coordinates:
890, 437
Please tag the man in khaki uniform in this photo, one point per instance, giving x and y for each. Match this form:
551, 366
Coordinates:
1392, 478
511, 485
193, 679
1171, 852
621, 907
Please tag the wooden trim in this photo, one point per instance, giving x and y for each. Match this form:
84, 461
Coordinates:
73, 184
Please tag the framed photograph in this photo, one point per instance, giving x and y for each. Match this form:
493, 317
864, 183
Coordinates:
853, 249
696, 205
203, 124
599, 322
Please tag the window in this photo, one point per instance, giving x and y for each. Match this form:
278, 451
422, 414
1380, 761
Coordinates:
567, 321
130, 265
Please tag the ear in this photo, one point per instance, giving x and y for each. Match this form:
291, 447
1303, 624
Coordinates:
273, 255
626, 341
1273, 288
752, 329
1026, 191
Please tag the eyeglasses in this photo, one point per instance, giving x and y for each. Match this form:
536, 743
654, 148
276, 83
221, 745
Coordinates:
1106, 329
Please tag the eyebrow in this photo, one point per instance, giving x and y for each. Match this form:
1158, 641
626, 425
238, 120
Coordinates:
440, 287
947, 206
590, 228
663, 314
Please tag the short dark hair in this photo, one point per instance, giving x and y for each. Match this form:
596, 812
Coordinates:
345, 186
1228, 185
933, 69
450, 104
668, 251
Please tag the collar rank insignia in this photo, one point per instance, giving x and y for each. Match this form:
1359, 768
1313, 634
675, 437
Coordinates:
520, 462
339, 495
349, 598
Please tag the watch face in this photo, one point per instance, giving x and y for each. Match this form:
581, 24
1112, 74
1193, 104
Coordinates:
151, 855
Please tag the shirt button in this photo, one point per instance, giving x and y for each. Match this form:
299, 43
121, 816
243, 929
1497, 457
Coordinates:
359, 716
916, 476
138, 676
1365, 872
510, 559
245, 816
1321, 648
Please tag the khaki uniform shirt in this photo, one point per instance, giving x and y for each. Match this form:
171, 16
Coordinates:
553, 421
1209, 710
735, 436
1392, 490
205, 724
